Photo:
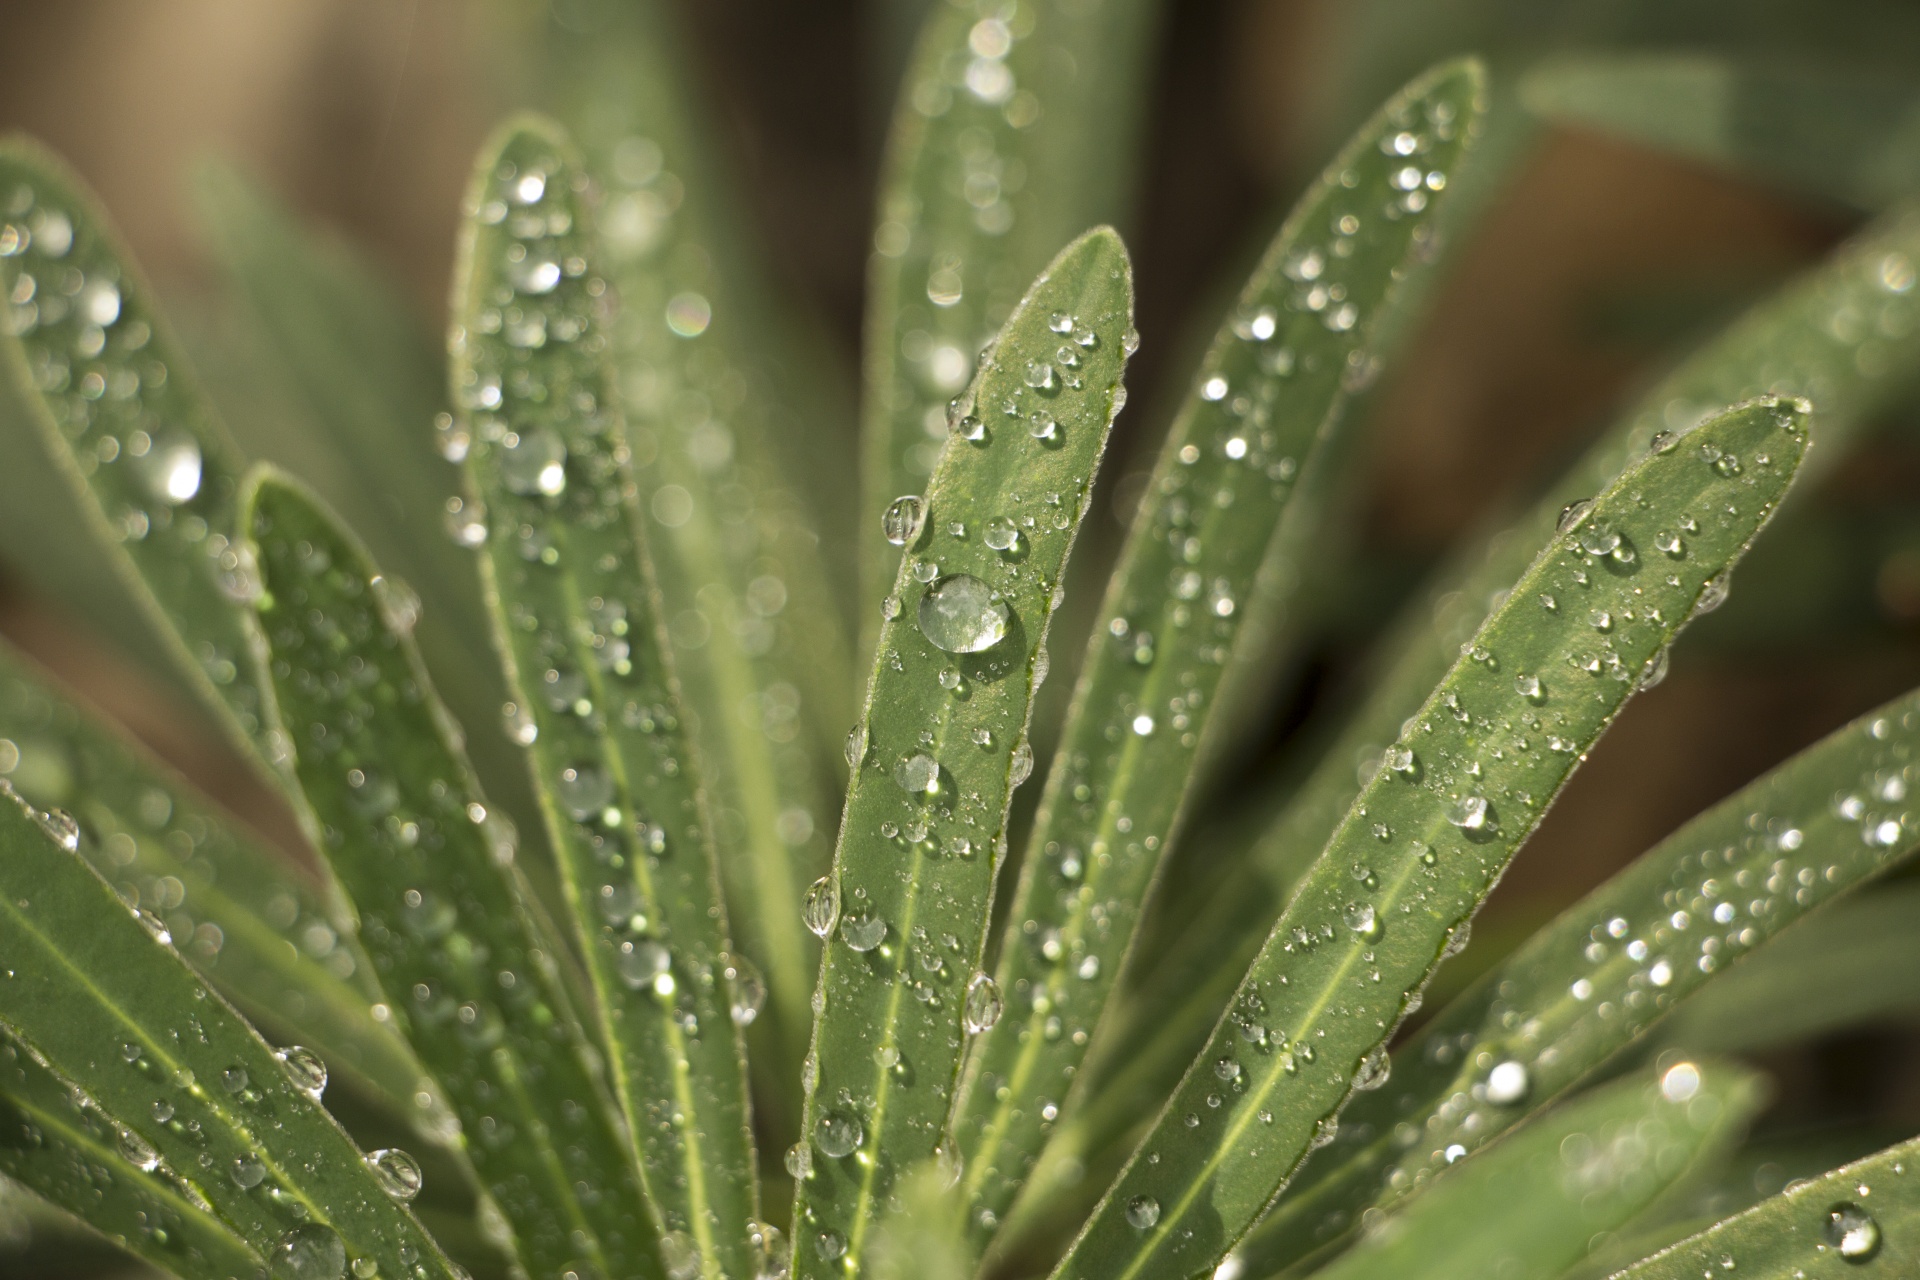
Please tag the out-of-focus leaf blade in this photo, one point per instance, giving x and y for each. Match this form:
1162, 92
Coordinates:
469, 966
192, 1093
943, 744
1531, 1205
1589, 984
1013, 131
738, 427
113, 401
1857, 963
577, 618
239, 913
1847, 336
1225, 520
1840, 133
1468, 778
70, 1154
923, 1238
1863, 1218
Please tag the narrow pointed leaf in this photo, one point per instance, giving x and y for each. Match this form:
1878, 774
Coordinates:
191, 1091
736, 427
1231, 502
1863, 1218
257, 929
1592, 982
1532, 1204
62, 1148
457, 942
1841, 335
943, 744
112, 399
1470, 777
923, 1237
371, 379
1856, 964
1845, 134
1011, 133
577, 618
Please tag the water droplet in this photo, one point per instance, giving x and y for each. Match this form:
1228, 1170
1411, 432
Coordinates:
535, 462
961, 614
61, 825
1468, 813
1572, 513
1362, 919
1852, 1232
799, 1162
863, 932
305, 1069
643, 962
983, 1004
749, 990
172, 470
829, 1245
856, 745
138, 1151
584, 791
917, 773
904, 519
1527, 687
308, 1252
1040, 376
1712, 595
1508, 1083
397, 1173
1399, 759
1680, 1082
838, 1134
1021, 766
821, 911
248, 1172
1002, 534
1143, 1212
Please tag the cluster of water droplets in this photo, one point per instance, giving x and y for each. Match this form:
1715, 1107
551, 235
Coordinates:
126, 411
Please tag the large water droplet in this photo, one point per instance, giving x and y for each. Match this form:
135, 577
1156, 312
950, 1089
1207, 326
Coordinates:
961, 614
838, 1134
397, 1173
917, 773
1363, 919
536, 462
1712, 595
308, 1252
1468, 813
1852, 1232
305, 1069
1143, 1212
821, 910
584, 791
643, 962
1021, 766
983, 1004
172, 470
904, 520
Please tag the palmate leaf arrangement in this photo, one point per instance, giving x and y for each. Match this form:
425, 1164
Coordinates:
597, 1030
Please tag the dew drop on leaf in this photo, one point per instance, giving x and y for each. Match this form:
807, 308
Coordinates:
1143, 1212
838, 1134
1508, 1083
821, 911
397, 1173
1852, 1232
863, 932
904, 519
961, 614
983, 1004
305, 1069
311, 1251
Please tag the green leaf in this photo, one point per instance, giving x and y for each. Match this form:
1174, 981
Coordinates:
371, 378
943, 745
1844, 133
259, 931
1014, 130
1469, 777
739, 436
458, 944
1589, 984
577, 618
112, 399
1533, 1203
59, 1145
191, 1092
1855, 964
1811, 339
1861, 1218
923, 1236
1225, 521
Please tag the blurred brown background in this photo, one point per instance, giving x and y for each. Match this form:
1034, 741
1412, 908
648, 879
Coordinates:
1591, 269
